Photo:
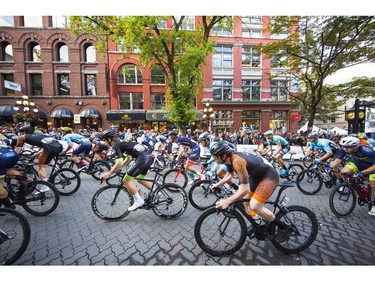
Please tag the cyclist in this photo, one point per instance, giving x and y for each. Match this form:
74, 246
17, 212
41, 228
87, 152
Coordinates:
172, 146
50, 149
283, 148
257, 179
330, 148
362, 161
100, 148
363, 139
131, 149
192, 149
84, 146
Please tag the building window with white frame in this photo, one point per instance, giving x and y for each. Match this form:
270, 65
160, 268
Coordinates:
188, 22
279, 90
90, 82
129, 74
131, 101
89, 52
158, 75
222, 57
251, 90
157, 100
222, 90
250, 57
6, 51
62, 52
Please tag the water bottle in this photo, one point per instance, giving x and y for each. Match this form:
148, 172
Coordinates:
365, 189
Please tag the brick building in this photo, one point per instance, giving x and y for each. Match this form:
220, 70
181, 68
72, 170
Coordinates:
237, 83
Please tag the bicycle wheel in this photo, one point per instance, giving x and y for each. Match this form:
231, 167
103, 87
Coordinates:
69, 163
307, 163
293, 171
99, 167
177, 176
220, 233
309, 182
14, 235
41, 203
304, 229
342, 200
201, 197
169, 200
111, 202
66, 181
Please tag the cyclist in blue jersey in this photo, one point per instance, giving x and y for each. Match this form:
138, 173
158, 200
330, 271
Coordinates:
283, 148
362, 161
192, 149
315, 144
84, 146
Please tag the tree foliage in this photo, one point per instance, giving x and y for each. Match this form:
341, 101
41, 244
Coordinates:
318, 48
180, 52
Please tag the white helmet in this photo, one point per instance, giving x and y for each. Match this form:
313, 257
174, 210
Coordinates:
349, 141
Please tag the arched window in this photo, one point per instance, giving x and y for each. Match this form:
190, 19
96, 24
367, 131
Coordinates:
158, 75
6, 52
34, 52
90, 53
62, 52
129, 74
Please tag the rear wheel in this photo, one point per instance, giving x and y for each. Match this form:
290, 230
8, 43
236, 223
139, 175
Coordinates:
99, 167
342, 200
309, 182
176, 176
66, 181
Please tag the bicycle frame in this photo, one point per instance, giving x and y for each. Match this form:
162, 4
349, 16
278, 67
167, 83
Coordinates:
357, 184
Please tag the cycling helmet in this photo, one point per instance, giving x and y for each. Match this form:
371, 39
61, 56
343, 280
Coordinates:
204, 136
161, 138
109, 134
215, 139
312, 135
353, 135
268, 133
173, 133
349, 141
27, 130
362, 136
220, 148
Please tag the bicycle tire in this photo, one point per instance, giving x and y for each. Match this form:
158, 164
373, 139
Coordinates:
100, 167
66, 181
305, 229
69, 163
169, 200
216, 241
41, 203
15, 233
111, 202
201, 197
176, 176
309, 182
342, 200
293, 171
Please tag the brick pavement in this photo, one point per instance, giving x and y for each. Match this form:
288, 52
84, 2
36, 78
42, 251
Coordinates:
73, 235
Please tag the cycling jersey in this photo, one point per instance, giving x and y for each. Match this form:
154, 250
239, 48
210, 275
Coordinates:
76, 138
8, 158
364, 154
278, 140
192, 146
324, 144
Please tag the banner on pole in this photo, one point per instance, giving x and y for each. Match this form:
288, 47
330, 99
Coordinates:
12, 86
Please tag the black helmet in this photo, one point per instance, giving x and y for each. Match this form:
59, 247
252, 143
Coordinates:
204, 136
173, 133
312, 135
27, 130
220, 148
109, 134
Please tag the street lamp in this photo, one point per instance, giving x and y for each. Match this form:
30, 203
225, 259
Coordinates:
208, 114
26, 111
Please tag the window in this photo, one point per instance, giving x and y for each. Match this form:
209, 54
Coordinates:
6, 51
222, 90
279, 90
252, 27
251, 90
36, 84
252, 33
33, 21
62, 52
90, 82
129, 74
250, 114
60, 21
8, 77
222, 57
279, 61
188, 22
34, 52
252, 20
157, 100
250, 57
279, 114
6, 21
64, 84
131, 100
221, 30
162, 24
158, 75
90, 53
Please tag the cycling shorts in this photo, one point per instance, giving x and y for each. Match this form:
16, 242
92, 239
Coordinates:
358, 165
84, 148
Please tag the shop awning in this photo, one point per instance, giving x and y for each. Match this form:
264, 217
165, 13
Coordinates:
90, 112
41, 114
126, 116
156, 115
7, 110
62, 113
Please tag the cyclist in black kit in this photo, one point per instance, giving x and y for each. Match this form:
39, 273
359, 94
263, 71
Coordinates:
144, 160
257, 179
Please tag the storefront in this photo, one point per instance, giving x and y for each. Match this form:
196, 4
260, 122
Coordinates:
156, 120
127, 119
6, 114
63, 118
91, 119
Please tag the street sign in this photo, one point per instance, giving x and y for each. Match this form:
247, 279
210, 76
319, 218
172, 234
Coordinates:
12, 86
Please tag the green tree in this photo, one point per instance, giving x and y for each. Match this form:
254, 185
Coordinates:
318, 48
179, 51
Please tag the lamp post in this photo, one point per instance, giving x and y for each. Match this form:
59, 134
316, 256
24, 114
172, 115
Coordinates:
208, 114
26, 111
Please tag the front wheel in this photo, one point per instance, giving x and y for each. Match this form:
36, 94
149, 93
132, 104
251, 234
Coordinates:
293, 171
342, 200
201, 196
111, 202
309, 182
99, 167
169, 201
14, 235
304, 229
66, 181
176, 176
220, 232
40, 202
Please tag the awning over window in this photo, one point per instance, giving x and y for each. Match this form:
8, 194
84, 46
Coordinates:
90, 112
7, 110
156, 115
62, 113
126, 116
41, 114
